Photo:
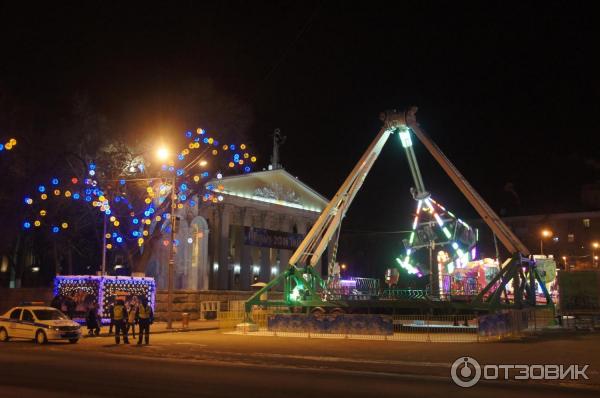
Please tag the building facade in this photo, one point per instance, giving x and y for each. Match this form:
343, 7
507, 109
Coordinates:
246, 237
569, 237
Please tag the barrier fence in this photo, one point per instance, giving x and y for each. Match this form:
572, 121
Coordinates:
415, 328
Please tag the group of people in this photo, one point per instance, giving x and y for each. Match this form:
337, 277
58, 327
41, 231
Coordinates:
124, 317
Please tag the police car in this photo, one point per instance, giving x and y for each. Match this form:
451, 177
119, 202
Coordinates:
39, 323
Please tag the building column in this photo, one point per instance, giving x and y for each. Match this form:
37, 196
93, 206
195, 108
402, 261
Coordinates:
246, 258
265, 257
223, 238
284, 255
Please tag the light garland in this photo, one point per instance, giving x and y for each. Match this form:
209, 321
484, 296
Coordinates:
140, 219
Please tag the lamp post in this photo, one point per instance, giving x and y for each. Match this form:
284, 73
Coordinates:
171, 256
546, 233
104, 247
164, 154
595, 246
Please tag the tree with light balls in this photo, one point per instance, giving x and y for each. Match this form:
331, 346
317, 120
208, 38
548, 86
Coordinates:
124, 196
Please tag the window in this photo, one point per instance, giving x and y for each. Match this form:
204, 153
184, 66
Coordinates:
27, 316
586, 222
571, 238
16, 314
50, 315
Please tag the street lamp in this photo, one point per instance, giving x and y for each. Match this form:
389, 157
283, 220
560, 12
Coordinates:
546, 233
164, 154
595, 246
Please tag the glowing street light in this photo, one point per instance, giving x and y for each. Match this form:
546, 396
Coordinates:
595, 246
162, 153
546, 233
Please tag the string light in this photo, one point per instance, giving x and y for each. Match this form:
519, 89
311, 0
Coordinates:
105, 198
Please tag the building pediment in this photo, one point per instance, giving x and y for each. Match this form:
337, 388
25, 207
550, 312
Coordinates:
274, 186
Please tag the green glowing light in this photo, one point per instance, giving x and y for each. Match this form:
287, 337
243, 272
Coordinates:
446, 232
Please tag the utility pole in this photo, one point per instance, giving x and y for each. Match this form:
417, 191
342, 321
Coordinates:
104, 247
171, 256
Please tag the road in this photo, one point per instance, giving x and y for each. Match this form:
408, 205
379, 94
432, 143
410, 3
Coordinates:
212, 364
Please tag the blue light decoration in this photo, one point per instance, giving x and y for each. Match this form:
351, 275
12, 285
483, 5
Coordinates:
55, 230
104, 290
1, 147
104, 200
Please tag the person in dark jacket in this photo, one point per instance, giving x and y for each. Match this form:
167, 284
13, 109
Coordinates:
111, 310
145, 317
119, 318
92, 320
71, 305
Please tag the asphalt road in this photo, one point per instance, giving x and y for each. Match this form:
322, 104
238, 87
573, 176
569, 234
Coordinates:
211, 364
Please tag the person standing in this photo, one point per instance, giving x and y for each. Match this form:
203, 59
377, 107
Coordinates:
92, 321
111, 311
119, 319
131, 319
145, 318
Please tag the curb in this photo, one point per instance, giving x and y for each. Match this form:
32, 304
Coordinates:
174, 330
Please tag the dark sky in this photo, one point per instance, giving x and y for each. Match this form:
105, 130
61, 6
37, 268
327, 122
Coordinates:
509, 90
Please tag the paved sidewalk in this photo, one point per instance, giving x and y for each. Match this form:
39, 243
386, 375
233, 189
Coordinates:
161, 327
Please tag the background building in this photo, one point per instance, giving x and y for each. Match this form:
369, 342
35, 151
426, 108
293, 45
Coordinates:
569, 237
246, 237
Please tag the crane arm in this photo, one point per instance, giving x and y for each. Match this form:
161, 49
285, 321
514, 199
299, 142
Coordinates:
506, 236
319, 236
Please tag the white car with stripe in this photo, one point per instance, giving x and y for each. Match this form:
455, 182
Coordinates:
39, 323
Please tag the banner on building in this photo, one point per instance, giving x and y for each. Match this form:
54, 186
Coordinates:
262, 237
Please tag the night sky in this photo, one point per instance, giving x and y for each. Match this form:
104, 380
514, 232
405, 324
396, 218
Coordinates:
508, 90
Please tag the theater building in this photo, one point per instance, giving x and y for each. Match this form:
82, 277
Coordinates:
246, 237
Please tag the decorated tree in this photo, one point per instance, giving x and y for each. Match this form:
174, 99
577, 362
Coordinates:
122, 197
